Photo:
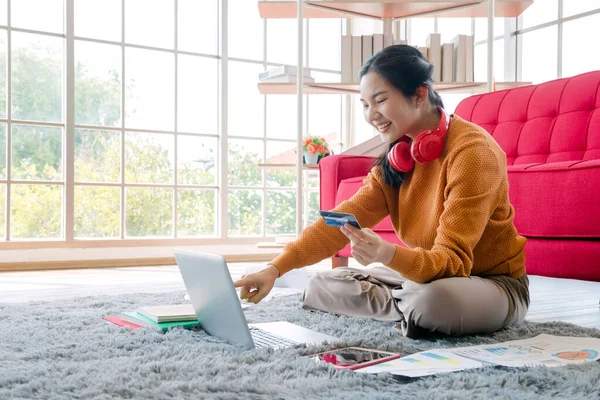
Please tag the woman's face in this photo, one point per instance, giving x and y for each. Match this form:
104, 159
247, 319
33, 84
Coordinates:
387, 109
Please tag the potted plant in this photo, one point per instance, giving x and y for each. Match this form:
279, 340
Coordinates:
315, 148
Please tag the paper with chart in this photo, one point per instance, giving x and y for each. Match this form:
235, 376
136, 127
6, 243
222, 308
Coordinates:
425, 363
542, 350
546, 350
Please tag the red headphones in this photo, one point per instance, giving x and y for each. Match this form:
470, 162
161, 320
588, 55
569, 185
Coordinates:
426, 147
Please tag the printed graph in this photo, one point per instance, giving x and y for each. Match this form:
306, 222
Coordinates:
500, 351
441, 358
414, 361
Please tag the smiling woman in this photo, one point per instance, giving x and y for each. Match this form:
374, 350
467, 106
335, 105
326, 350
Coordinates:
447, 197
399, 100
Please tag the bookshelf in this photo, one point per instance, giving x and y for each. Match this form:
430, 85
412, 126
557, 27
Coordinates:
387, 11
353, 88
393, 9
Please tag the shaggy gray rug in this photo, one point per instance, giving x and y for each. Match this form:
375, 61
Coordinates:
64, 350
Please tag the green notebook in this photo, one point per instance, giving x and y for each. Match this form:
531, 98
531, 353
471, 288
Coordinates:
139, 319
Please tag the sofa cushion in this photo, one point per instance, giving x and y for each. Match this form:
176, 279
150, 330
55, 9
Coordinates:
551, 122
347, 188
556, 200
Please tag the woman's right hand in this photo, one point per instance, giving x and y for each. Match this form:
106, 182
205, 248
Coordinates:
257, 286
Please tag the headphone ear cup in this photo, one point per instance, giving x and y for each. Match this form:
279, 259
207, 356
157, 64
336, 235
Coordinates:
400, 157
427, 147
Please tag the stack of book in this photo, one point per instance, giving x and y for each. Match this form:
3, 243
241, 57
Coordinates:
159, 317
284, 73
356, 50
453, 61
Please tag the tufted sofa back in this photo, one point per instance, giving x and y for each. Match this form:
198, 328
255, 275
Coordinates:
540, 124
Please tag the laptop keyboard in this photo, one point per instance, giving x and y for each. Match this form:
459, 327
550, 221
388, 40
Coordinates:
266, 339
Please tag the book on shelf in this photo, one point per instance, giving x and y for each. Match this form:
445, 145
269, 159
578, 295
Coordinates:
434, 55
460, 58
367, 47
447, 62
377, 42
287, 79
282, 70
356, 50
356, 57
170, 313
470, 58
346, 58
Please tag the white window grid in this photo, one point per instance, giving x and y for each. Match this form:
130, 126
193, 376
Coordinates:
513, 67
68, 125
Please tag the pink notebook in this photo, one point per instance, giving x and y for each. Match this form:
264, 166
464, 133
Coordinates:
118, 321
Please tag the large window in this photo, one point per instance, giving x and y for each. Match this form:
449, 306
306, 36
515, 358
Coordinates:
33, 129
140, 125
539, 63
555, 37
133, 149
113, 123
578, 56
541, 11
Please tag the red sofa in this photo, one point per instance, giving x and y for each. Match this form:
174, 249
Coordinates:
551, 136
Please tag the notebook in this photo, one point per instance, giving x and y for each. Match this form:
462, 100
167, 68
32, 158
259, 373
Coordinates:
114, 319
172, 313
139, 319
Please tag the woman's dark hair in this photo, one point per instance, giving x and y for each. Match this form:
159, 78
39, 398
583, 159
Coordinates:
406, 69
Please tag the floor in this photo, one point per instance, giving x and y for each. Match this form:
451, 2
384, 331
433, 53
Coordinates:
552, 299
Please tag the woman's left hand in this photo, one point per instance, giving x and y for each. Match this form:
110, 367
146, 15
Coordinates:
368, 247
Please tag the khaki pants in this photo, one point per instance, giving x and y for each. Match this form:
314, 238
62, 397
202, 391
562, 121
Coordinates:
452, 306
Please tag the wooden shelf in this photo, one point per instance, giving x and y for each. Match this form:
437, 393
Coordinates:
288, 166
353, 88
391, 8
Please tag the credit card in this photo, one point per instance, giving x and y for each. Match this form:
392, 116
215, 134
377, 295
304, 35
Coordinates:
339, 219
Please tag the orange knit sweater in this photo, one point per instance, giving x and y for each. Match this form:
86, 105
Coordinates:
454, 215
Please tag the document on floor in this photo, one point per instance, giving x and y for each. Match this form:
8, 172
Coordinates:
546, 350
430, 362
542, 350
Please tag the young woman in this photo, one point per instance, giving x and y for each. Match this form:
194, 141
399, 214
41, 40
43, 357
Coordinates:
444, 184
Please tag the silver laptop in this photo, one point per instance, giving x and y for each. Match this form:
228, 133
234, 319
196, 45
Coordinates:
219, 310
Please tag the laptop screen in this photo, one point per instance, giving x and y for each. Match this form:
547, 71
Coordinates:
217, 306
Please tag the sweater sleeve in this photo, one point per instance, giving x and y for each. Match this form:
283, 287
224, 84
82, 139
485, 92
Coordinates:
319, 241
470, 197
